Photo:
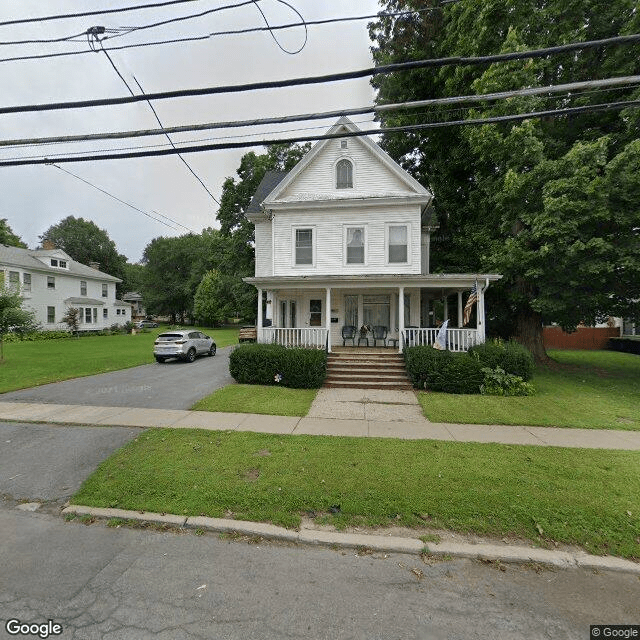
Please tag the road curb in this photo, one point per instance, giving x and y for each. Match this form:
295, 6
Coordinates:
388, 544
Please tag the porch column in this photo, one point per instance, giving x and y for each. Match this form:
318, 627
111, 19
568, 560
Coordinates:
259, 321
446, 308
400, 317
328, 308
460, 318
480, 314
276, 311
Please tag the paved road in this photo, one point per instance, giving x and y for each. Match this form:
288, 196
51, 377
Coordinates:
104, 583
43, 462
171, 385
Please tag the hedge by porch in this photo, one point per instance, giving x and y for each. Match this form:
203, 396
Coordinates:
273, 364
450, 372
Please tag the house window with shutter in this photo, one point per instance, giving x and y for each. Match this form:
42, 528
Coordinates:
344, 175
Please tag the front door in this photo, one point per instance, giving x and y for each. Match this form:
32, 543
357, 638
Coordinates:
351, 311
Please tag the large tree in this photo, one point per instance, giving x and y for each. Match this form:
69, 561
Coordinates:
13, 317
550, 203
8, 237
85, 242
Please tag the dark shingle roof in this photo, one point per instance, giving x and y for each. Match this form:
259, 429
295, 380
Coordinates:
270, 181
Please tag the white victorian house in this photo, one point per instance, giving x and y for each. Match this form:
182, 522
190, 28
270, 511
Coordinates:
343, 241
50, 282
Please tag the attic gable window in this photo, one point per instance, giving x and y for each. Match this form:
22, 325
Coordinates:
344, 175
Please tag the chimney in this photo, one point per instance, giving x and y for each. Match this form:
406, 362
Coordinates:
48, 245
95, 265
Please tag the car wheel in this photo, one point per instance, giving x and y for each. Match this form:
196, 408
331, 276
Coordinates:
159, 359
191, 355
212, 349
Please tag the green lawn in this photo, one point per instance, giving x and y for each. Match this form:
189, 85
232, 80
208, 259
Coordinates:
543, 494
28, 364
590, 389
245, 398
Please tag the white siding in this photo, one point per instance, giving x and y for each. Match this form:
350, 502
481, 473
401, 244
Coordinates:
370, 176
329, 225
264, 255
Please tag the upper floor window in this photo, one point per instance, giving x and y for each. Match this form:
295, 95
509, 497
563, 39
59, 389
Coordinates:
355, 245
104, 290
26, 282
62, 264
304, 246
398, 247
344, 174
14, 279
83, 287
51, 282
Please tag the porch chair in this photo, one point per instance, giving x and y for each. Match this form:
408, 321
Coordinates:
349, 333
380, 333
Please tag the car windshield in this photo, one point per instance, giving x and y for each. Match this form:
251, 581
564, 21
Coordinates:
169, 337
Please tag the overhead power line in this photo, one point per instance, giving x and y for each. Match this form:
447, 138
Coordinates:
128, 204
101, 12
382, 108
553, 113
349, 75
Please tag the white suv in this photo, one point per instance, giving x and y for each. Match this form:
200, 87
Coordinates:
185, 345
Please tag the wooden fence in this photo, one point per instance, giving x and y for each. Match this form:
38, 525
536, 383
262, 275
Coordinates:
583, 338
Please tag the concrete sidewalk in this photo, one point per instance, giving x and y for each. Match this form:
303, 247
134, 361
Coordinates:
380, 420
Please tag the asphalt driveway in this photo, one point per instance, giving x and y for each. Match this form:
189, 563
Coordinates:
171, 385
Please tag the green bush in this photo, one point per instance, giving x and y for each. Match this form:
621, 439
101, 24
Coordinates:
444, 371
499, 383
510, 356
34, 336
272, 364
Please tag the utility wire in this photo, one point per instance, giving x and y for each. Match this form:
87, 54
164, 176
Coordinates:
128, 204
213, 34
186, 164
554, 113
326, 115
302, 23
101, 12
349, 75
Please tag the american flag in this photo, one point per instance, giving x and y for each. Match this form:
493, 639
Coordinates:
473, 298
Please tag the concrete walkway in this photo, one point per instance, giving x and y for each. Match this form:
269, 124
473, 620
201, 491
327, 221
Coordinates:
368, 416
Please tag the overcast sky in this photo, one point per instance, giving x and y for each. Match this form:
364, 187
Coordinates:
33, 198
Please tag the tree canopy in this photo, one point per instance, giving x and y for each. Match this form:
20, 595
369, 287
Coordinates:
85, 242
8, 237
551, 203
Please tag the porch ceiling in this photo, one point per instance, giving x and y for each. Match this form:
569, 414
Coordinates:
440, 281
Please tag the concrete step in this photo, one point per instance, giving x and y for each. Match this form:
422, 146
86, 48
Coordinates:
382, 377
395, 386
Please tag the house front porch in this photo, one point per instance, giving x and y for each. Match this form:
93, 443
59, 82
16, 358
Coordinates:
370, 312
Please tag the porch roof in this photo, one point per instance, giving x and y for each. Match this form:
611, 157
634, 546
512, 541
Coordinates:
459, 281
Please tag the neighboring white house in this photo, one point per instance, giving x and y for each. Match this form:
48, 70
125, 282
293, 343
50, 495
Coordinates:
343, 239
50, 282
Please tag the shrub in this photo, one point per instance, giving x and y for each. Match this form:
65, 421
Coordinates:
272, 364
510, 356
444, 371
499, 383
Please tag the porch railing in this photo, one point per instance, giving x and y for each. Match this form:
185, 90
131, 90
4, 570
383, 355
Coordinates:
307, 337
457, 339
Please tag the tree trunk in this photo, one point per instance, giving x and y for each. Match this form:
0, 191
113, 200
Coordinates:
529, 334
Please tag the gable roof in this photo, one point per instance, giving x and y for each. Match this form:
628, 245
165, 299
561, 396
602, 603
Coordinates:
268, 183
413, 187
28, 259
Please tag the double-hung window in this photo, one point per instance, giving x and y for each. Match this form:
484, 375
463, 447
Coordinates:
51, 315
14, 279
87, 315
104, 290
26, 282
83, 287
51, 282
398, 243
304, 246
354, 242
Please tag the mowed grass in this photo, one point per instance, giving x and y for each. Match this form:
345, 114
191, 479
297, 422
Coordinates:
28, 364
245, 398
546, 495
587, 389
